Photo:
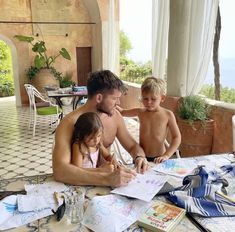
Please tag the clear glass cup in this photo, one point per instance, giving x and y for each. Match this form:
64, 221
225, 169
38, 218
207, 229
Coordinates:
74, 207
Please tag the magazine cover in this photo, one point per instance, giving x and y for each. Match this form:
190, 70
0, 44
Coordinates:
161, 216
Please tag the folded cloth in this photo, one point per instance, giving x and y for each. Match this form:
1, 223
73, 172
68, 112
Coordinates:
198, 195
230, 168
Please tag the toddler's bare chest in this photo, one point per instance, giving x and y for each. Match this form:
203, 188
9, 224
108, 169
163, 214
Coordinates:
153, 121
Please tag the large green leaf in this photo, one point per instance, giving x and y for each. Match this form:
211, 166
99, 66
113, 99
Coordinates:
24, 38
65, 54
39, 47
39, 61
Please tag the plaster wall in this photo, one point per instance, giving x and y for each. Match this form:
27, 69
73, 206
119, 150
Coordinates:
79, 35
221, 112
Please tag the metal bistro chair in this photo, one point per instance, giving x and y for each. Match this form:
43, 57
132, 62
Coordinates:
44, 108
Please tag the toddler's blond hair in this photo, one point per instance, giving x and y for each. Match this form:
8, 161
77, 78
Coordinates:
157, 86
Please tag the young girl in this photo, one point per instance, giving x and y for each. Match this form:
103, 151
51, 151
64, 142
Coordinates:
87, 148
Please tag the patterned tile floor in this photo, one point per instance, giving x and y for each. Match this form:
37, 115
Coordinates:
21, 154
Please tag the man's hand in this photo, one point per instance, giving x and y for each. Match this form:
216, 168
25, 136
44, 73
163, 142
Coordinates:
121, 176
141, 164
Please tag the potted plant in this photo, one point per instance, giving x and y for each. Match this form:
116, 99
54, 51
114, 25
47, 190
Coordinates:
196, 127
65, 80
66, 83
43, 63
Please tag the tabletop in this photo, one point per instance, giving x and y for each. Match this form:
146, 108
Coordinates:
58, 94
51, 224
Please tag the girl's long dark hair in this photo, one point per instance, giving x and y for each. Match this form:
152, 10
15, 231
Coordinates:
87, 124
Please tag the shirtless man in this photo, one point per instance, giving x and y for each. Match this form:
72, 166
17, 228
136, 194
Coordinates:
155, 121
104, 91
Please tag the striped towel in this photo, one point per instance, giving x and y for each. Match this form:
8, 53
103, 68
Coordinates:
200, 196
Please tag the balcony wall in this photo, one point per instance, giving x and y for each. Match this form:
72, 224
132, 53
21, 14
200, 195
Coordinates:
221, 112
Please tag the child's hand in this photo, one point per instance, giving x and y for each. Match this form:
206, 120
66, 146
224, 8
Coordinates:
120, 109
112, 161
107, 167
115, 163
160, 159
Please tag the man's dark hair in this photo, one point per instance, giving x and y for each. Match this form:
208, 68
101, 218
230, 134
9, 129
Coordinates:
104, 81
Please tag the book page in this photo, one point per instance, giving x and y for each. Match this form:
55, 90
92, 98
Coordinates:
112, 213
143, 187
176, 167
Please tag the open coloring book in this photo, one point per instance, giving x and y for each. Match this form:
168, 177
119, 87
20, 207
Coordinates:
176, 167
144, 186
112, 213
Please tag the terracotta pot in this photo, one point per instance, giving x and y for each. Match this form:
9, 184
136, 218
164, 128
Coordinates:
44, 78
196, 138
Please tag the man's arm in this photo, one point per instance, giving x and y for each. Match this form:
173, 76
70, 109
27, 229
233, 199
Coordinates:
128, 142
76, 155
64, 171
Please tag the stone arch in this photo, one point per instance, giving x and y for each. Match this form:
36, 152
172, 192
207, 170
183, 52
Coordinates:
14, 68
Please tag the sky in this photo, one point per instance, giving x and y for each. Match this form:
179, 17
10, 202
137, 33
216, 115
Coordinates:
136, 22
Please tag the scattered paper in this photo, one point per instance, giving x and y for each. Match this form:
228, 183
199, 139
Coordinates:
212, 161
143, 187
18, 210
112, 213
176, 167
45, 188
27, 203
11, 217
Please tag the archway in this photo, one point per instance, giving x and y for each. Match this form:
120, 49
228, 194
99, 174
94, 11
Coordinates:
14, 68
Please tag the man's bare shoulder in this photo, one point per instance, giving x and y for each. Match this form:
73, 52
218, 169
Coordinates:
116, 116
70, 119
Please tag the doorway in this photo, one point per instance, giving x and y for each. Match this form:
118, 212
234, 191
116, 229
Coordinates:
83, 64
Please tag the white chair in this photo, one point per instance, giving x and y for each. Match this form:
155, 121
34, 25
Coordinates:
177, 153
233, 123
120, 153
44, 108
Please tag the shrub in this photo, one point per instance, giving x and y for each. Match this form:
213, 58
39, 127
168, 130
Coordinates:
6, 87
193, 108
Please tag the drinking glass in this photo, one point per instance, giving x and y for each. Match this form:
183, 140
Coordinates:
74, 207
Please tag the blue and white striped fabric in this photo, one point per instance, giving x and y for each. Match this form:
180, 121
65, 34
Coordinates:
203, 197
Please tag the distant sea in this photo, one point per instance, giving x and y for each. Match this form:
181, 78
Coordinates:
227, 73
